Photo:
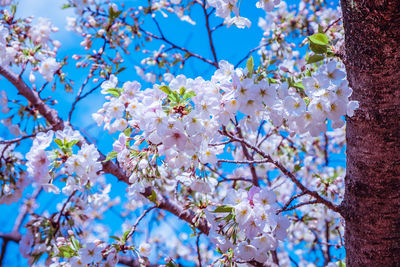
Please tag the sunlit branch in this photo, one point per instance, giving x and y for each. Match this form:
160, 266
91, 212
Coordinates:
108, 166
206, 15
286, 172
198, 249
133, 229
299, 205
248, 157
174, 46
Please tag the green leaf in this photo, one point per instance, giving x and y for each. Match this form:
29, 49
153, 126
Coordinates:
66, 252
319, 39
271, 80
182, 90
64, 6
110, 156
314, 59
188, 95
72, 143
165, 89
37, 48
75, 243
170, 264
37, 257
125, 236
120, 70
59, 142
153, 197
113, 14
228, 217
318, 49
307, 100
250, 65
13, 9
128, 131
297, 167
114, 91
174, 97
320, 29
223, 209
299, 85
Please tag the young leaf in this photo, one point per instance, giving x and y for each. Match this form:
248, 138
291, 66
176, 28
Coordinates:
250, 65
120, 70
153, 197
223, 209
128, 131
318, 49
182, 90
297, 167
125, 236
72, 143
314, 59
75, 243
111, 155
58, 142
114, 92
188, 95
319, 39
165, 89
64, 6
66, 252
299, 85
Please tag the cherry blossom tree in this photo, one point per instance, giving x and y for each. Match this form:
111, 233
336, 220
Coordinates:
235, 167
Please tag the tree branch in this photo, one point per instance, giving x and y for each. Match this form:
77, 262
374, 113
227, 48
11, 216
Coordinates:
198, 249
206, 15
248, 157
138, 221
286, 172
299, 205
108, 167
178, 47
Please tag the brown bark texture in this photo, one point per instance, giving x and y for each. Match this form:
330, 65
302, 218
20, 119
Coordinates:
371, 205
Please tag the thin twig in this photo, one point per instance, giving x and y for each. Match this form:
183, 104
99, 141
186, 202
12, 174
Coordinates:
110, 167
174, 46
249, 157
133, 230
206, 15
58, 223
248, 54
77, 98
198, 249
244, 161
291, 199
333, 23
299, 205
286, 172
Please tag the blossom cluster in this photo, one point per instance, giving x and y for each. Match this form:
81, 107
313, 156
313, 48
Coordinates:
13, 180
7, 53
249, 224
34, 47
80, 168
180, 128
224, 8
174, 139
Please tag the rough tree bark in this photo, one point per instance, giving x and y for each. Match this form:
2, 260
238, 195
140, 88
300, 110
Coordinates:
371, 205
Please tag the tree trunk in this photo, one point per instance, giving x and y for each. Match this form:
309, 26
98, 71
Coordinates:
371, 205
